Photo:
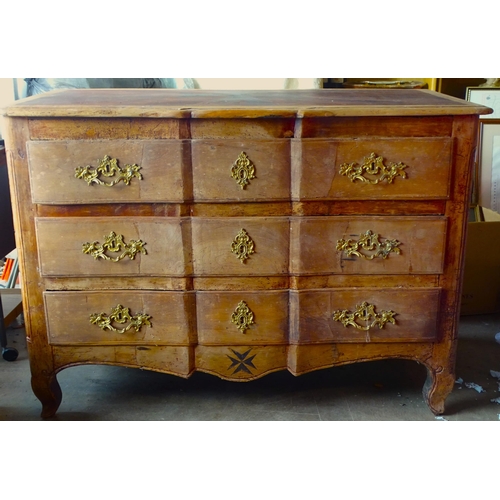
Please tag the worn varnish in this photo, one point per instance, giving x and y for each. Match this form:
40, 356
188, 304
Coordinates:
241, 233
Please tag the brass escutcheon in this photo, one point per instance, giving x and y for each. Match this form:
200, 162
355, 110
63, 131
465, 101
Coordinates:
108, 167
242, 246
242, 317
243, 171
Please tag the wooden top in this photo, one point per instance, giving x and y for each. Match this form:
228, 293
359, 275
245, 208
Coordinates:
173, 103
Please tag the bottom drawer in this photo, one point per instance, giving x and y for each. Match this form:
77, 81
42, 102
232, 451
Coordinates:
120, 317
364, 315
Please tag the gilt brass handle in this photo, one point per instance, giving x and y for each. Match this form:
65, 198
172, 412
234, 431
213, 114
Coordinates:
366, 313
108, 167
242, 317
373, 165
368, 242
242, 246
120, 315
114, 243
243, 170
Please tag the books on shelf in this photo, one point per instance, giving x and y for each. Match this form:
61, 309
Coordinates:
9, 271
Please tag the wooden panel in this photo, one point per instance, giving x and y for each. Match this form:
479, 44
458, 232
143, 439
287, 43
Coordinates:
212, 240
376, 126
314, 242
220, 128
53, 163
215, 311
316, 168
213, 160
307, 358
168, 103
61, 243
172, 313
108, 128
175, 360
240, 362
416, 314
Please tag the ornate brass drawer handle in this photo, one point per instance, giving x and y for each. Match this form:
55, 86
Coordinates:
120, 315
369, 241
242, 246
114, 243
242, 317
108, 167
373, 165
364, 312
243, 170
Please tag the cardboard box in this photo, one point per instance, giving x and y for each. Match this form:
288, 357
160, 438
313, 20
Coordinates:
481, 288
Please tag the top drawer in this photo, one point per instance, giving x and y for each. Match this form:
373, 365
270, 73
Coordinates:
241, 170
371, 168
76, 172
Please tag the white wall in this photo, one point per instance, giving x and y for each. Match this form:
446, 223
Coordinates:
10, 90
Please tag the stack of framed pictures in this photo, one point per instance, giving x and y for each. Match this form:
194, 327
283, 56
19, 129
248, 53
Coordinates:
487, 189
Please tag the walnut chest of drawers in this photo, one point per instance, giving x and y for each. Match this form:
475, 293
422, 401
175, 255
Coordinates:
240, 233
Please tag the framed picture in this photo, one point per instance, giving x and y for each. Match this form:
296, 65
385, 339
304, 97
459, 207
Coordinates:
487, 96
489, 164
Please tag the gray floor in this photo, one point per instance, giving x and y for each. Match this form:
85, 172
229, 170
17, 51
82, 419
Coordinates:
387, 390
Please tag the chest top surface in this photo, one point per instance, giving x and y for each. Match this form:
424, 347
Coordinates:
173, 103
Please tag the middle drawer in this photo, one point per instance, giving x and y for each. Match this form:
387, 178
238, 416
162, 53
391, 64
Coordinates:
113, 246
368, 245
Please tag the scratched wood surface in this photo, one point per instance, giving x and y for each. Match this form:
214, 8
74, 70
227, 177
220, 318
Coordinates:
62, 241
317, 168
168, 103
53, 166
402, 245
170, 317
415, 315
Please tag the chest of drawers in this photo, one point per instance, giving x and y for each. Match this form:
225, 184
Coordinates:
240, 233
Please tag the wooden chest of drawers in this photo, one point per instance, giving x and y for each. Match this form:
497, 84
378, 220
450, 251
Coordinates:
241, 233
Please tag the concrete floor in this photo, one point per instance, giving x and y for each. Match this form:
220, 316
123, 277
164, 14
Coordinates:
387, 390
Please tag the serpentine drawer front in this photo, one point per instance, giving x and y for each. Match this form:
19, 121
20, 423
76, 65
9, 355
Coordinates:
241, 233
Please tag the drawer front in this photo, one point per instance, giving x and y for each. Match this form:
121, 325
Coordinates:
371, 168
364, 315
246, 318
368, 245
241, 170
59, 174
112, 246
107, 318
253, 246
240, 362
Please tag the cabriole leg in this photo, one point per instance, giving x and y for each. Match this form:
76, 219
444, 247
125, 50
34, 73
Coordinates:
48, 391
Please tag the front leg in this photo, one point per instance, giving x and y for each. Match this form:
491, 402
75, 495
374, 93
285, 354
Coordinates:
48, 391
440, 375
437, 387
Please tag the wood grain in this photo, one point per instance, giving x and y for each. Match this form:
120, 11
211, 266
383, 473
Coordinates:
420, 247
172, 317
53, 164
312, 311
212, 162
269, 322
212, 239
61, 243
316, 168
